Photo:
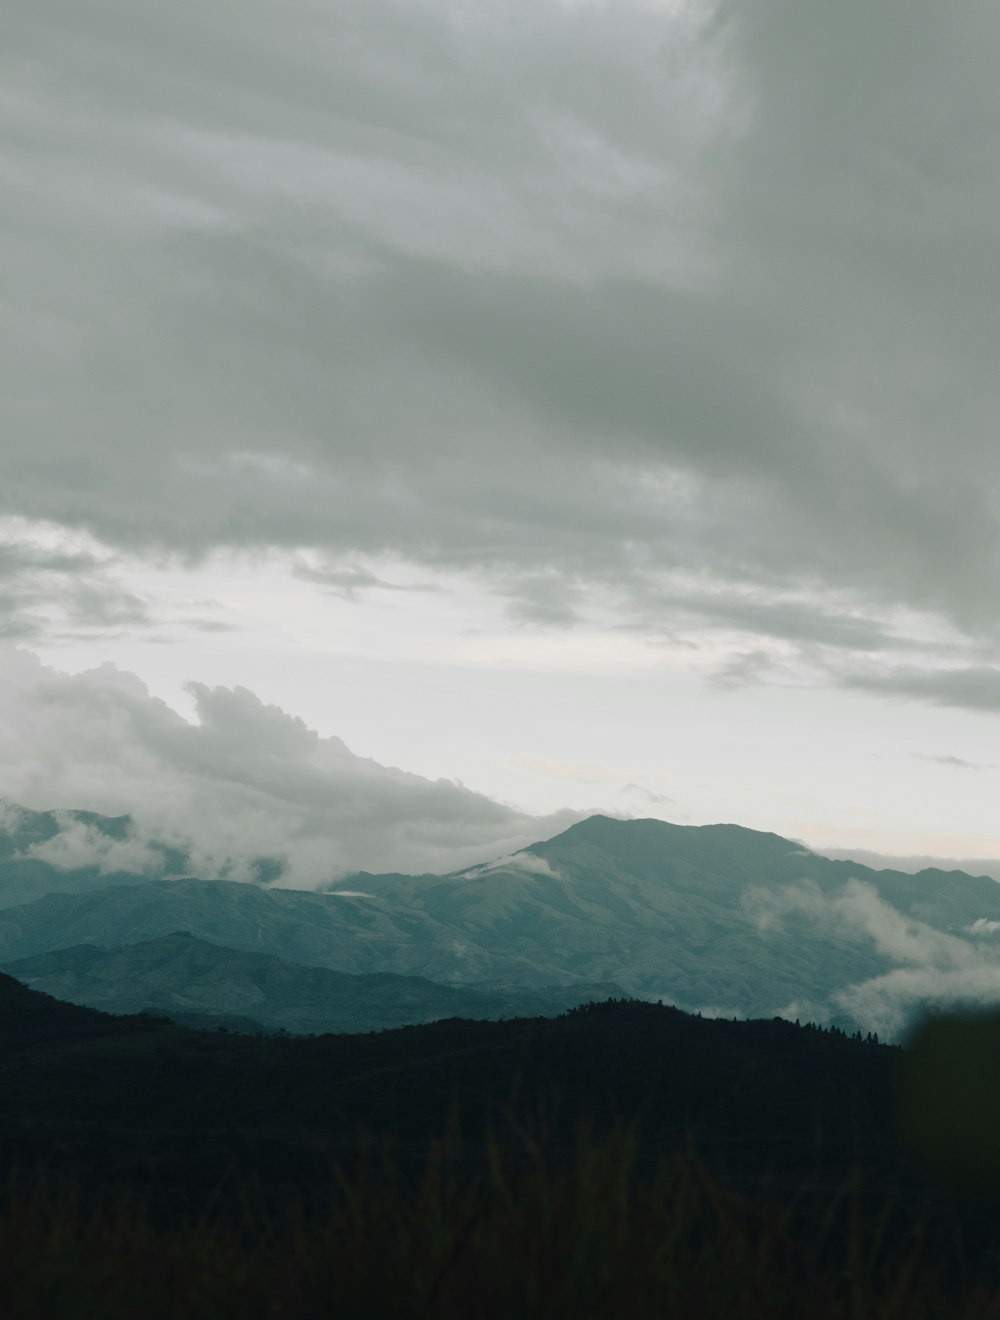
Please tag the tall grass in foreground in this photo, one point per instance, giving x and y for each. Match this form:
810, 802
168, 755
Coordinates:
583, 1238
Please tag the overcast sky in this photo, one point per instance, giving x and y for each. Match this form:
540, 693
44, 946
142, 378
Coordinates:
593, 403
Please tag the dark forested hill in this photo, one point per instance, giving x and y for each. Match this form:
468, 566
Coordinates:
762, 1148
764, 1091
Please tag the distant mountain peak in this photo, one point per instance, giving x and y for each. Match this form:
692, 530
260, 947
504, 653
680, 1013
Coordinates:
611, 830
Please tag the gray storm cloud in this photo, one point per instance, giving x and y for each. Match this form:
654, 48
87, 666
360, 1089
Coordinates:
577, 298
46, 592
244, 780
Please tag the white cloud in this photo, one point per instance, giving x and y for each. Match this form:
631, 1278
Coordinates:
927, 966
889, 1004
518, 861
79, 844
856, 909
243, 781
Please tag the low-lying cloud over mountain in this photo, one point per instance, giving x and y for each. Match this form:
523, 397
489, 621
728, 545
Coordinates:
927, 965
243, 782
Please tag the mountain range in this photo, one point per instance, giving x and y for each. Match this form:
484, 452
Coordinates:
717, 919
200, 984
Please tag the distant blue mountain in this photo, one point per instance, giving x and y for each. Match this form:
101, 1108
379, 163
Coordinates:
719, 919
195, 982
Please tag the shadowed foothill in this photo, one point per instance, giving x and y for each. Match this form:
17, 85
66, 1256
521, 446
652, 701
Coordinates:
768, 1145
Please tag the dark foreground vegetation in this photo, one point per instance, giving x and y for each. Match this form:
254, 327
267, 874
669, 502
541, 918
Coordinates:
625, 1160
552, 1239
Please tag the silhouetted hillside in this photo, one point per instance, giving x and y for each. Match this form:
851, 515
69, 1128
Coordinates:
31, 1019
760, 1093
797, 1127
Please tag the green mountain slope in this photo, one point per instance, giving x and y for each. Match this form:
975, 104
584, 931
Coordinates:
191, 980
348, 934
717, 918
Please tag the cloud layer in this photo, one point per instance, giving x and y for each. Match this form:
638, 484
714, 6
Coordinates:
686, 307
928, 968
243, 782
